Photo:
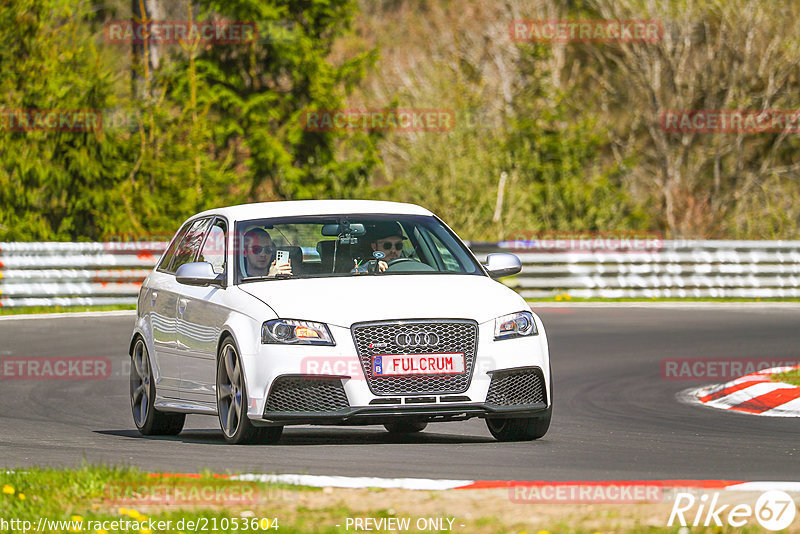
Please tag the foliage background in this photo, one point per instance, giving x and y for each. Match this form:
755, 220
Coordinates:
573, 127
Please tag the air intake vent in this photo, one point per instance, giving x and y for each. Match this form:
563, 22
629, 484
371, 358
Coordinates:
516, 387
306, 394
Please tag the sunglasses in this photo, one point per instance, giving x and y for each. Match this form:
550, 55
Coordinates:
257, 249
397, 246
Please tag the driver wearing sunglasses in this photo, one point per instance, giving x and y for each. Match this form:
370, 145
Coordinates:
259, 254
387, 238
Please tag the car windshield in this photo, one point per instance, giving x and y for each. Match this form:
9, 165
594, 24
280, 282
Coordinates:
348, 245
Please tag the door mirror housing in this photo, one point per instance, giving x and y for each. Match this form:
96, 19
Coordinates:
502, 264
200, 273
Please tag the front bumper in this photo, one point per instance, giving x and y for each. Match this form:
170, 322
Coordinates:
344, 394
376, 415
305, 399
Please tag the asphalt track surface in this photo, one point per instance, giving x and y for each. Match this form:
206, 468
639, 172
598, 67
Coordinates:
615, 417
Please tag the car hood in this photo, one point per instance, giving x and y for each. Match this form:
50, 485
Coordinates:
343, 301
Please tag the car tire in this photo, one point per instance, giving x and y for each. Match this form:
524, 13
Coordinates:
232, 401
405, 427
519, 428
148, 420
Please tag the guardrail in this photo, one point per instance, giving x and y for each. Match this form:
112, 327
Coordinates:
74, 274
676, 269
88, 274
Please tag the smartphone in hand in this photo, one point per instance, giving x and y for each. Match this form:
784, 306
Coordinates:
281, 256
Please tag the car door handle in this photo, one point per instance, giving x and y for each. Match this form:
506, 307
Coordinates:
182, 303
153, 297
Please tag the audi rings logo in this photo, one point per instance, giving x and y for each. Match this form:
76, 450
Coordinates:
418, 339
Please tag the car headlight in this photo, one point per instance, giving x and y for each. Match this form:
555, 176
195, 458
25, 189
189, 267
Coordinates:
515, 325
294, 332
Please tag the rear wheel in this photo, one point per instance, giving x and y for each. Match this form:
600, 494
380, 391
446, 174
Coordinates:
232, 401
519, 428
149, 421
405, 427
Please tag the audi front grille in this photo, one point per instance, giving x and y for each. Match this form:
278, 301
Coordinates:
417, 337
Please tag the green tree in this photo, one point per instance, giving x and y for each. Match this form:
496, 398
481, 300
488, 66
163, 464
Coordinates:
175, 168
564, 182
53, 184
260, 92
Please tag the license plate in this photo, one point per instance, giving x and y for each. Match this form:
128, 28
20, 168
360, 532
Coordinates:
417, 364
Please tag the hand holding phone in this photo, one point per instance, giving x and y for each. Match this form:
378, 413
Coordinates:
280, 267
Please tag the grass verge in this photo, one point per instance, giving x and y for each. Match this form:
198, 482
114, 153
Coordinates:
102, 500
789, 377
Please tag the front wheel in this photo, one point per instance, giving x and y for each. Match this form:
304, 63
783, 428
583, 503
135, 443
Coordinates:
519, 428
232, 401
149, 421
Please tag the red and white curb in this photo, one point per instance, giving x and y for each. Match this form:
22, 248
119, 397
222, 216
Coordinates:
755, 394
319, 481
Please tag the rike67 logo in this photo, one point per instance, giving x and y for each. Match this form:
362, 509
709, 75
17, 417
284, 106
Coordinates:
774, 510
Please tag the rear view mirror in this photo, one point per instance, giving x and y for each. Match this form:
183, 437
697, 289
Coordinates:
330, 230
345, 228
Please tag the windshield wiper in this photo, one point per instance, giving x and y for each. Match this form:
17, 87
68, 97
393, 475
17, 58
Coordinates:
267, 277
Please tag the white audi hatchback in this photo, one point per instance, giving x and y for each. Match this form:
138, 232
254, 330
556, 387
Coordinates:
334, 312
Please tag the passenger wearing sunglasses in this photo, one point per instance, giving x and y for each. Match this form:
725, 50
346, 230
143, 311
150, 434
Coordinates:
259, 255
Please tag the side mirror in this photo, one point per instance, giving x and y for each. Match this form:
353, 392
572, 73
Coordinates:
200, 273
502, 264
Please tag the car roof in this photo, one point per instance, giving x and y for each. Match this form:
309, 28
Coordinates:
290, 208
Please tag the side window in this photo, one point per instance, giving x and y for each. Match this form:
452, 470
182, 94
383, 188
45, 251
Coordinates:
170, 253
190, 244
214, 248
